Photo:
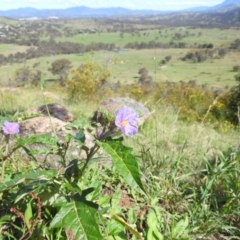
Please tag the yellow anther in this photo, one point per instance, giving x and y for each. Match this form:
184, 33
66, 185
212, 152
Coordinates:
124, 123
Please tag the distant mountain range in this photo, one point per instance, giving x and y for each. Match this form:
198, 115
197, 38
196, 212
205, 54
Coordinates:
85, 12
226, 5
74, 12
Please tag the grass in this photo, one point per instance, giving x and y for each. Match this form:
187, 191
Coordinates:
218, 37
7, 49
187, 168
124, 66
4, 20
165, 133
13, 101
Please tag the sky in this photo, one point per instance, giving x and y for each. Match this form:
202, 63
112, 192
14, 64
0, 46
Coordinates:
131, 4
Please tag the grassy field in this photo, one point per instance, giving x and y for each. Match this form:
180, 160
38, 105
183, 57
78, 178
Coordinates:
218, 37
7, 49
4, 20
125, 65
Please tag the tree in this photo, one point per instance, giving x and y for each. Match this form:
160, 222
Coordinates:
168, 58
143, 75
236, 68
233, 103
36, 78
222, 52
145, 81
61, 68
22, 76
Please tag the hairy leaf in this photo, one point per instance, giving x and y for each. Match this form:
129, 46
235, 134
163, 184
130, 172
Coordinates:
78, 217
43, 139
32, 175
125, 162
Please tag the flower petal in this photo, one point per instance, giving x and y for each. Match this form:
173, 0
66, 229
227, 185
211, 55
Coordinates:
130, 117
10, 128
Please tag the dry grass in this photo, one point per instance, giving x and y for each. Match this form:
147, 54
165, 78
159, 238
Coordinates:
20, 99
163, 129
165, 135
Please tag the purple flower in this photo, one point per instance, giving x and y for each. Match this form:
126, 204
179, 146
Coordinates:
99, 133
127, 120
10, 128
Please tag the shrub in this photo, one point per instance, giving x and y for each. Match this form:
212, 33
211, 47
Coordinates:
86, 81
24, 76
195, 57
236, 68
233, 104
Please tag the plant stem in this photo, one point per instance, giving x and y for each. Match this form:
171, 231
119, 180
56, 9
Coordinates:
5, 157
93, 150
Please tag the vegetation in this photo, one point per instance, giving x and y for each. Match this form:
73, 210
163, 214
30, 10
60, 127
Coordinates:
174, 177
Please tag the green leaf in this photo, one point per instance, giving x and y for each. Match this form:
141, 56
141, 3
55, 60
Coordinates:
125, 163
80, 137
153, 224
107, 114
126, 225
79, 218
43, 139
4, 219
72, 170
78, 125
32, 175
180, 230
28, 215
114, 228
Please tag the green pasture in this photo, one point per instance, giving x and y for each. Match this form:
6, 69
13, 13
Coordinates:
89, 38
7, 49
125, 65
98, 24
4, 20
213, 72
218, 37
81, 23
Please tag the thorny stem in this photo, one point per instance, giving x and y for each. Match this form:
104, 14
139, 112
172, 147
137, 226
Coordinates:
65, 152
95, 148
90, 154
62, 151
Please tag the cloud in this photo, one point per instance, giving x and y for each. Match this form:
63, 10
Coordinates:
198, 3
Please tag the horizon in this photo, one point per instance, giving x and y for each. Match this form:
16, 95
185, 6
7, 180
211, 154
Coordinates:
165, 5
